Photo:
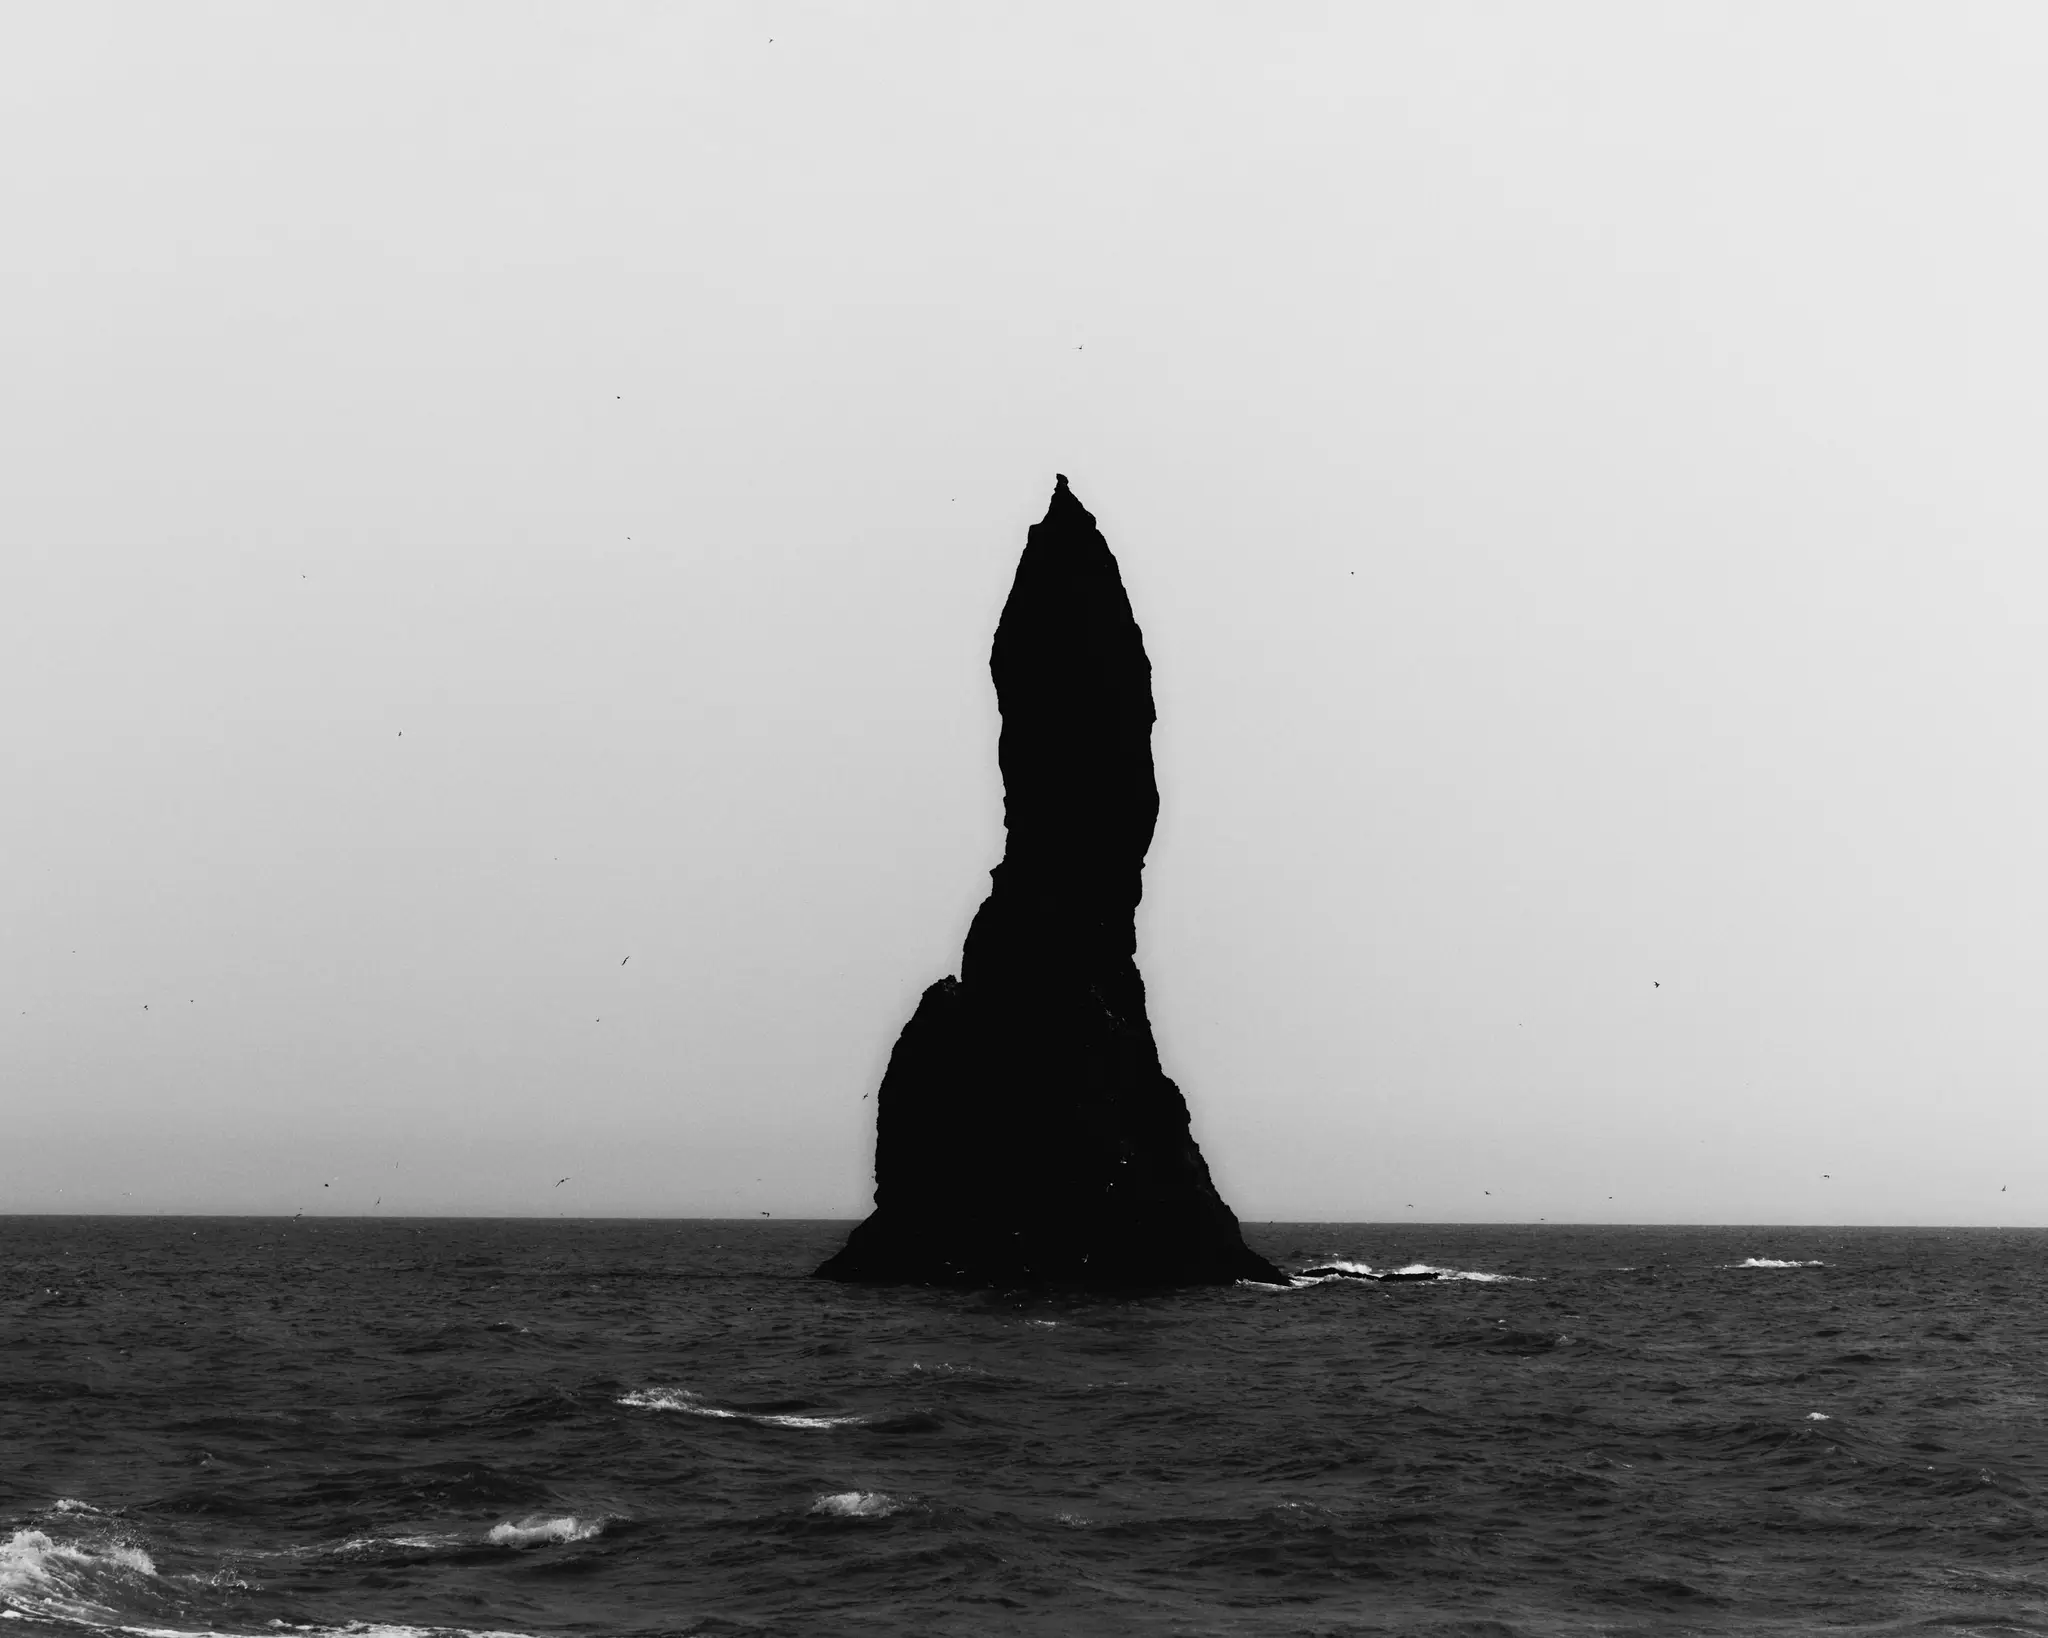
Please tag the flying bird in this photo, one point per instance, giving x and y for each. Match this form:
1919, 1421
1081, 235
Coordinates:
622, 963
560, 1181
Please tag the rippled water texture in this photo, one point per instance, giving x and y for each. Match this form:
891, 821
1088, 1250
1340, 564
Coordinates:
646, 1428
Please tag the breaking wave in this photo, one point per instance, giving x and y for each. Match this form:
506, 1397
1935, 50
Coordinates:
1774, 1262
686, 1403
682, 1400
409, 1544
1338, 1269
537, 1531
40, 1576
856, 1504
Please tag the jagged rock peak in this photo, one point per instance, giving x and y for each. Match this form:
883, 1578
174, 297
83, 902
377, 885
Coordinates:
1025, 1132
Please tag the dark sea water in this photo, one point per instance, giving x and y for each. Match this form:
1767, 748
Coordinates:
247, 1426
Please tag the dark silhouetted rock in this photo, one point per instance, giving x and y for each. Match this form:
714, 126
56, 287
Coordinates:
1025, 1134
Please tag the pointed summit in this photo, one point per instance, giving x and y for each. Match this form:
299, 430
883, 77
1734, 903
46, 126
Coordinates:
1025, 1133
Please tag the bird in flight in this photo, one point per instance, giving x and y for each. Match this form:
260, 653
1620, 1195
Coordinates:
560, 1181
622, 963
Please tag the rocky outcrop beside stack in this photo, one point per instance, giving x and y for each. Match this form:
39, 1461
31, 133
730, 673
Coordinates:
1026, 1134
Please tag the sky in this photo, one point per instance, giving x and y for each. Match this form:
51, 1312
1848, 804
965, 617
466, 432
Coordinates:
505, 508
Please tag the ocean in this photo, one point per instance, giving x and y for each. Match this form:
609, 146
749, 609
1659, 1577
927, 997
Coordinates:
255, 1426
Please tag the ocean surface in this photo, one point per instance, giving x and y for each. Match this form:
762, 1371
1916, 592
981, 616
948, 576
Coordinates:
255, 1426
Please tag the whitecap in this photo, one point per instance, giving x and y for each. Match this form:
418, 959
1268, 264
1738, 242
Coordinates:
371, 1544
352, 1629
1818, 1416
856, 1504
1342, 1267
65, 1504
1773, 1262
1479, 1275
1338, 1269
535, 1531
45, 1576
681, 1399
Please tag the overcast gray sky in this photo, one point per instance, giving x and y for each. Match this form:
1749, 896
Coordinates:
493, 491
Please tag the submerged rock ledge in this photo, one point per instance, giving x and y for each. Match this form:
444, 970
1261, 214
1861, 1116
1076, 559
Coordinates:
1025, 1133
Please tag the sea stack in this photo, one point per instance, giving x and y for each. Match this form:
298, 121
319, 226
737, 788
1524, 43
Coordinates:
1025, 1133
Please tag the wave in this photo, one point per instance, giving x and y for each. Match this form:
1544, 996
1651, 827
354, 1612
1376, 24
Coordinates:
1773, 1262
1417, 1272
537, 1531
409, 1544
350, 1629
41, 1576
857, 1504
681, 1399
111, 1585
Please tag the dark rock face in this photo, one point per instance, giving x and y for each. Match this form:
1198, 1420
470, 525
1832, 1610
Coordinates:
1025, 1132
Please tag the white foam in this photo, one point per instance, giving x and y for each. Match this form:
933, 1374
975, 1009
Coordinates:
50, 1580
1818, 1416
367, 1544
1366, 1270
1773, 1262
49, 1577
856, 1504
64, 1504
681, 1399
535, 1531
352, 1629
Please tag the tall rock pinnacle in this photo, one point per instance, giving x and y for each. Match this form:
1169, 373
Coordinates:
1025, 1132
